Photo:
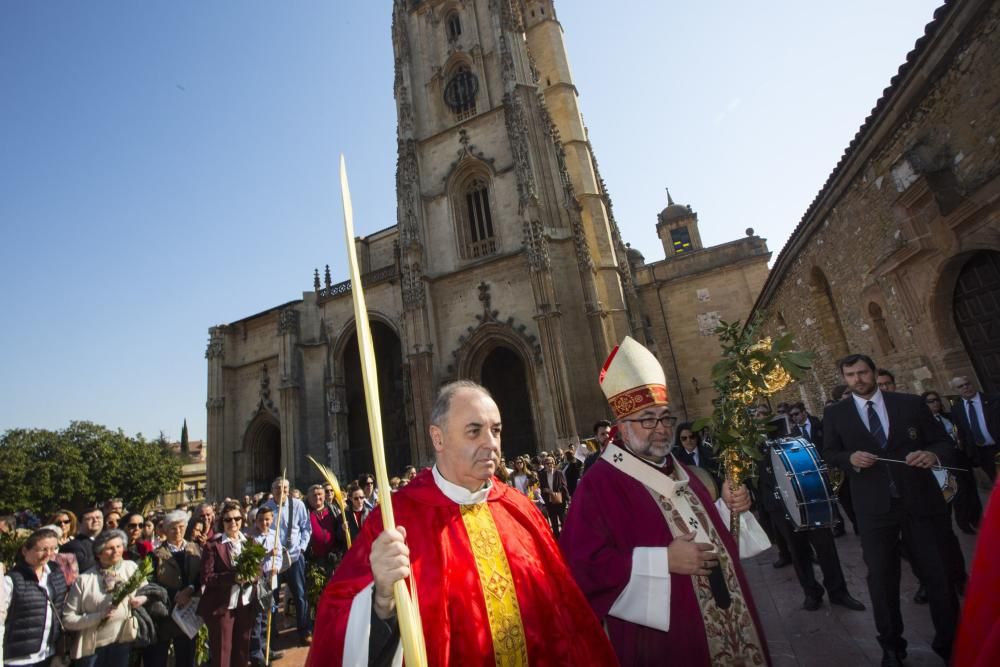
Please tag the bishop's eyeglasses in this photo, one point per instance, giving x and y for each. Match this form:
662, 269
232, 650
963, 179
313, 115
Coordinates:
649, 423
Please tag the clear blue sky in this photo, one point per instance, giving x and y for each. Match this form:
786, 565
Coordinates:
166, 166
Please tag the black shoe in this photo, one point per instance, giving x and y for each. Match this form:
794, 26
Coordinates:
839, 531
845, 600
783, 561
920, 597
891, 659
812, 602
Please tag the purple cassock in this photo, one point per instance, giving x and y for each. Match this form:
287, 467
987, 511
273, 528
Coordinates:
615, 522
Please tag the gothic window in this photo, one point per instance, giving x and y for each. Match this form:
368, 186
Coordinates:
454, 26
460, 93
474, 218
881, 330
681, 239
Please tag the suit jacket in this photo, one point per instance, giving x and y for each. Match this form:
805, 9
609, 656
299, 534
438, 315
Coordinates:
218, 574
706, 461
572, 472
558, 484
82, 547
960, 415
815, 431
911, 427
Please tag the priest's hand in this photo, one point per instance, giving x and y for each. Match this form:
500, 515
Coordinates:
685, 556
737, 501
390, 561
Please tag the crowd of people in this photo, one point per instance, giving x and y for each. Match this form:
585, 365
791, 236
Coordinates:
111, 587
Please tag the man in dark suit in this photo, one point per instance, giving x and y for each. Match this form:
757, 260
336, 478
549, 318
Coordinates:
572, 468
802, 544
555, 493
893, 500
691, 451
602, 433
804, 425
977, 416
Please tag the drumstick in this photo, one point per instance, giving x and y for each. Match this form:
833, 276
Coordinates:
932, 467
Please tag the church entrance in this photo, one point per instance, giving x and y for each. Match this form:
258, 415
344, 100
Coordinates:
977, 315
505, 376
389, 360
263, 444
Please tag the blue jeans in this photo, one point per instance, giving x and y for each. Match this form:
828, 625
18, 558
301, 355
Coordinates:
258, 634
295, 578
112, 655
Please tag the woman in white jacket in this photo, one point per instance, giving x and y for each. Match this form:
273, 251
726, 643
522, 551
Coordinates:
104, 634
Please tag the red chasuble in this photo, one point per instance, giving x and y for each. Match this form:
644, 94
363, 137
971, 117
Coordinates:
978, 642
610, 515
559, 626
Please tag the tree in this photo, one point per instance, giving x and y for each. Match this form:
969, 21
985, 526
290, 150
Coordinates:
185, 446
83, 464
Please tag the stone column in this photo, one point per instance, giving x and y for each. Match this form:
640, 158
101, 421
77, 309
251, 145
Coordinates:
289, 390
219, 477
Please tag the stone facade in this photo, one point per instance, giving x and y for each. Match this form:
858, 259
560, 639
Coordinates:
898, 255
505, 266
684, 296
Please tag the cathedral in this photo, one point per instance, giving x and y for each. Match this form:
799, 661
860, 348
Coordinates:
505, 266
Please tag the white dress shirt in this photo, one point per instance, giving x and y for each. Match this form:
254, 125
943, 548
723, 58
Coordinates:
879, 404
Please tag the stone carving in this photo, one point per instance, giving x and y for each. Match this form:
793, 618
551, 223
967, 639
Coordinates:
707, 322
216, 340
490, 318
265, 402
510, 15
507, 71
400, 38
536, 245
414, 290
288, 322
467, 151
583, 257
405, 110
517, 132
407, 192
215, 403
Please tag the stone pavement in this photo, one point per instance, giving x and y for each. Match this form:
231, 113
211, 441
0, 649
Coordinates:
829, 637
834, 636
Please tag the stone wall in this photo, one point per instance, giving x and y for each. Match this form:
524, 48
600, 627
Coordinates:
873, 264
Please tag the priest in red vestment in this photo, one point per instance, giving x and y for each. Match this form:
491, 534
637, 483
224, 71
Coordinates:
646, 543
978, 643
491, 585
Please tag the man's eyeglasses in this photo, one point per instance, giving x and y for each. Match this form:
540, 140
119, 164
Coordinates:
651, 422
134, 526
230, 519
933, 400
689, 437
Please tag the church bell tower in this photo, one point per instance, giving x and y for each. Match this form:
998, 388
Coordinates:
505, 233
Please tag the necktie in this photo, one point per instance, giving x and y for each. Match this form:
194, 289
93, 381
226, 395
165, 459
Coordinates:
875, 426
977, 432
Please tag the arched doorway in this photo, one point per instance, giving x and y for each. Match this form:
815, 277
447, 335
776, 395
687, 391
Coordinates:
396, 436
263, 444
977, 315
504, 374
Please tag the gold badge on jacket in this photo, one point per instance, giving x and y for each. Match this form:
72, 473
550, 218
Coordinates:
912, 433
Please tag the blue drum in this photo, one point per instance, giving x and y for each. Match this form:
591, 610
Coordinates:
800, 478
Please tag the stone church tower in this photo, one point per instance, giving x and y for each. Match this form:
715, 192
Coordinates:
504, 266
500, 203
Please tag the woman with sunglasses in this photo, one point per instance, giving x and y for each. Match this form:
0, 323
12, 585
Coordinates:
968, 507
227, 605
138, 547
66, 521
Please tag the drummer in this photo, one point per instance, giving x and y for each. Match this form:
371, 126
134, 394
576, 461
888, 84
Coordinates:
820, 538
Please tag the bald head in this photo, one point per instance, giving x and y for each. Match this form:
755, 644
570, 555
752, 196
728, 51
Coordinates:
964, 386
442, 405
